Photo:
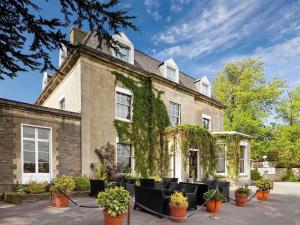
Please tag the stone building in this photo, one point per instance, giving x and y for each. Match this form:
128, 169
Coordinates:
87, 95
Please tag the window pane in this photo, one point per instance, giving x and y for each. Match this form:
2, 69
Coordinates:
123, 157
43, 157
28, 145
43, 146
123, 106
28, 132
29, 167
221, 160
242, 158
29, 156
43, 167
43, 133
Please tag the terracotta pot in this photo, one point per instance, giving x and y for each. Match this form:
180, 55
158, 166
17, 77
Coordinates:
241, 200
112, 220
263, 195
178, 211
213, 207
61, 201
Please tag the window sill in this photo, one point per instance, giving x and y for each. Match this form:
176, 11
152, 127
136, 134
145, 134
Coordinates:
124, 120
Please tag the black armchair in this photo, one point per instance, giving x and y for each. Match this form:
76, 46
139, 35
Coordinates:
130, 186
149, 183
190, 191
150, 199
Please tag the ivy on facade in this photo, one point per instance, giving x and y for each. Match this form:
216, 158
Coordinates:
185, 136
146, 131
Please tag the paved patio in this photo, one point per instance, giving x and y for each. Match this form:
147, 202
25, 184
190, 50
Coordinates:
279, 210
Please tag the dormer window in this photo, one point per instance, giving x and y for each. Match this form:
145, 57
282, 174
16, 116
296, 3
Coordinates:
203, 86
171, 73
125, 48
170, 70
123, 53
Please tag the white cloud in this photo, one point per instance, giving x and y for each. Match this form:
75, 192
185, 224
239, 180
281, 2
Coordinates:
152, 8
177, 5
214, 28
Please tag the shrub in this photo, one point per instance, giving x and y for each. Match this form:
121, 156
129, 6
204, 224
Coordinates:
214, 195
243, 191
114, 200
177, 199
255, 175
264, 185
34, 187
62, 183
290, 177
82, 183
101, 170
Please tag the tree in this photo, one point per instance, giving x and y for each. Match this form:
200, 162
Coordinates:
249, 99
286, 141
27, 36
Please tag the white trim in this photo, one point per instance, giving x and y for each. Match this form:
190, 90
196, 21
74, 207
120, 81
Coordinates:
245, 145
179, 111
36, 150
127, 92
225, 162
206, 116
199, 84
124, 40
169, 63
231, 133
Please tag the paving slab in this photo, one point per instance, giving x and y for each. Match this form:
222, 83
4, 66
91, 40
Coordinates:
279, 210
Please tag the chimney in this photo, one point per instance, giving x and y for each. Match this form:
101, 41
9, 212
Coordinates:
77, 35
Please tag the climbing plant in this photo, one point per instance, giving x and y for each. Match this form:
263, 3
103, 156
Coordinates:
146, 131
232, 143
185, 136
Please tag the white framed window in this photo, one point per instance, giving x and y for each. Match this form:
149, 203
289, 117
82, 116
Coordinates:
62, 103
36, 153
123, 104
221, 167
124, 158
243, 159
174, 113
123, 53
171, 73
206, 121
205, 89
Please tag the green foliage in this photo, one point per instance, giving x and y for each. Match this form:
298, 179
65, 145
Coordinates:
178, 199
264, 185
186, 136
101, 170
114, 200
249, 99
34, 187
255, 175
214, 195
82, 183
290, 177
243, 191
156, 178
146, 132
62, 183
107, 157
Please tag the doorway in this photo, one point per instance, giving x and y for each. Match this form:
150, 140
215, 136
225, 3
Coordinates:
193, 164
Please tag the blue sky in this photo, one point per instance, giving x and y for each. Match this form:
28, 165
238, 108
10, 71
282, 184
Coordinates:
201, 36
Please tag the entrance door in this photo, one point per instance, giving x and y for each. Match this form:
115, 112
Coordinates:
36, 153
193, 164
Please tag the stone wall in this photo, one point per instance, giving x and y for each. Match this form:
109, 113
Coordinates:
66, 143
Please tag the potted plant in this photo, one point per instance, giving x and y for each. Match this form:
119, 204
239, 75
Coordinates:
264, 187
241, 196
62, 185
214, 200
97, 185
115, 202
178, 207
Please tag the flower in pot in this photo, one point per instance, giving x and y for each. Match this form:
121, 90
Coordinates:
214, 200
115, 202
178, 207
241, 196
62, 185
264, 187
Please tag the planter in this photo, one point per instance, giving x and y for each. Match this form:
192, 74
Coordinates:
241, 200
263, 195
61, 201
178, 211
111, 220
96, 187
213, 207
